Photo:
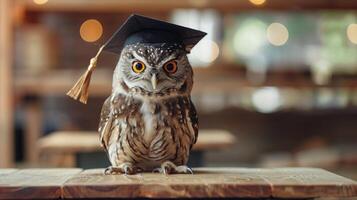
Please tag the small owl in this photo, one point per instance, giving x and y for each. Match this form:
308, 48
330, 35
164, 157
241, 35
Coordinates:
149, 122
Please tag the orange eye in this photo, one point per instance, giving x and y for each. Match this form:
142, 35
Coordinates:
170, 67
138, 67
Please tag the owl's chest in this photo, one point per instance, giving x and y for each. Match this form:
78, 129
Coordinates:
152, 121
152, 132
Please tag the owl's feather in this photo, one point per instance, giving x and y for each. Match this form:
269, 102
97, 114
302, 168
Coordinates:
114, 108
193, 121
104, 119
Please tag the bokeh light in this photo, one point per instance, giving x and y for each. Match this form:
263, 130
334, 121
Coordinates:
257, 2
267, 99
321, 71
249, 37
352, 33
277, 34
209, 51
91, 30
206, 52
40, 2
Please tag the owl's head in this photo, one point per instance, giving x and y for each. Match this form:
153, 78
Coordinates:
153, 70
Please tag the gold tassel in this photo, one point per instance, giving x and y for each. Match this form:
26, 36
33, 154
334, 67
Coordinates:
80, 90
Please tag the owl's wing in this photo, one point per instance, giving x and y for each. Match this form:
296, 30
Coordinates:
194, 120
105, 123
116, 107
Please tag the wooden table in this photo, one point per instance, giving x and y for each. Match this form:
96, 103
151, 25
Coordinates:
71, 183
62, 148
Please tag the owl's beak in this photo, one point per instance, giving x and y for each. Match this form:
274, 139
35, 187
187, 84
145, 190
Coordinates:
153, 81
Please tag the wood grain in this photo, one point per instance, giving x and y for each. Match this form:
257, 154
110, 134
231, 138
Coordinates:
92, 183
205, 182
209, 182
7, 171
87, 141
307, 183
34, 183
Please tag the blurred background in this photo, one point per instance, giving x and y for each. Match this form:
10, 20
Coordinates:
275, 80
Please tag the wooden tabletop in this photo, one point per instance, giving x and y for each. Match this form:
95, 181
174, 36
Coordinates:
87, 141
205, 182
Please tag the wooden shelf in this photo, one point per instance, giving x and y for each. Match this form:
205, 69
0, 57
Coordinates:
87, 141
58, 82
165, 6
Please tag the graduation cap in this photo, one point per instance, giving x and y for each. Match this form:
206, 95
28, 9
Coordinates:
137, 29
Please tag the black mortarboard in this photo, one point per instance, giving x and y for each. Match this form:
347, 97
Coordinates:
140, 29
137, 29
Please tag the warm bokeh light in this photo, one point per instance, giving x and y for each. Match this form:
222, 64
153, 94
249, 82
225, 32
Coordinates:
214, 51
352, 33
206, 51
40, 2
257, 2
277, 34
91, 30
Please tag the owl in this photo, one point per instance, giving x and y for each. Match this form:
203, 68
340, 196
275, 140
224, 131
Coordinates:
149, 122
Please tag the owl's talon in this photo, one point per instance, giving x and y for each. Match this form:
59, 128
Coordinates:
111, 170
170, 168
125, 168
156, 170
165, 171
106, 171
183, 169
128, 170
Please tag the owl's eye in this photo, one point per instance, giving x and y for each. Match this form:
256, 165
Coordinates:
138, 67
170, 67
